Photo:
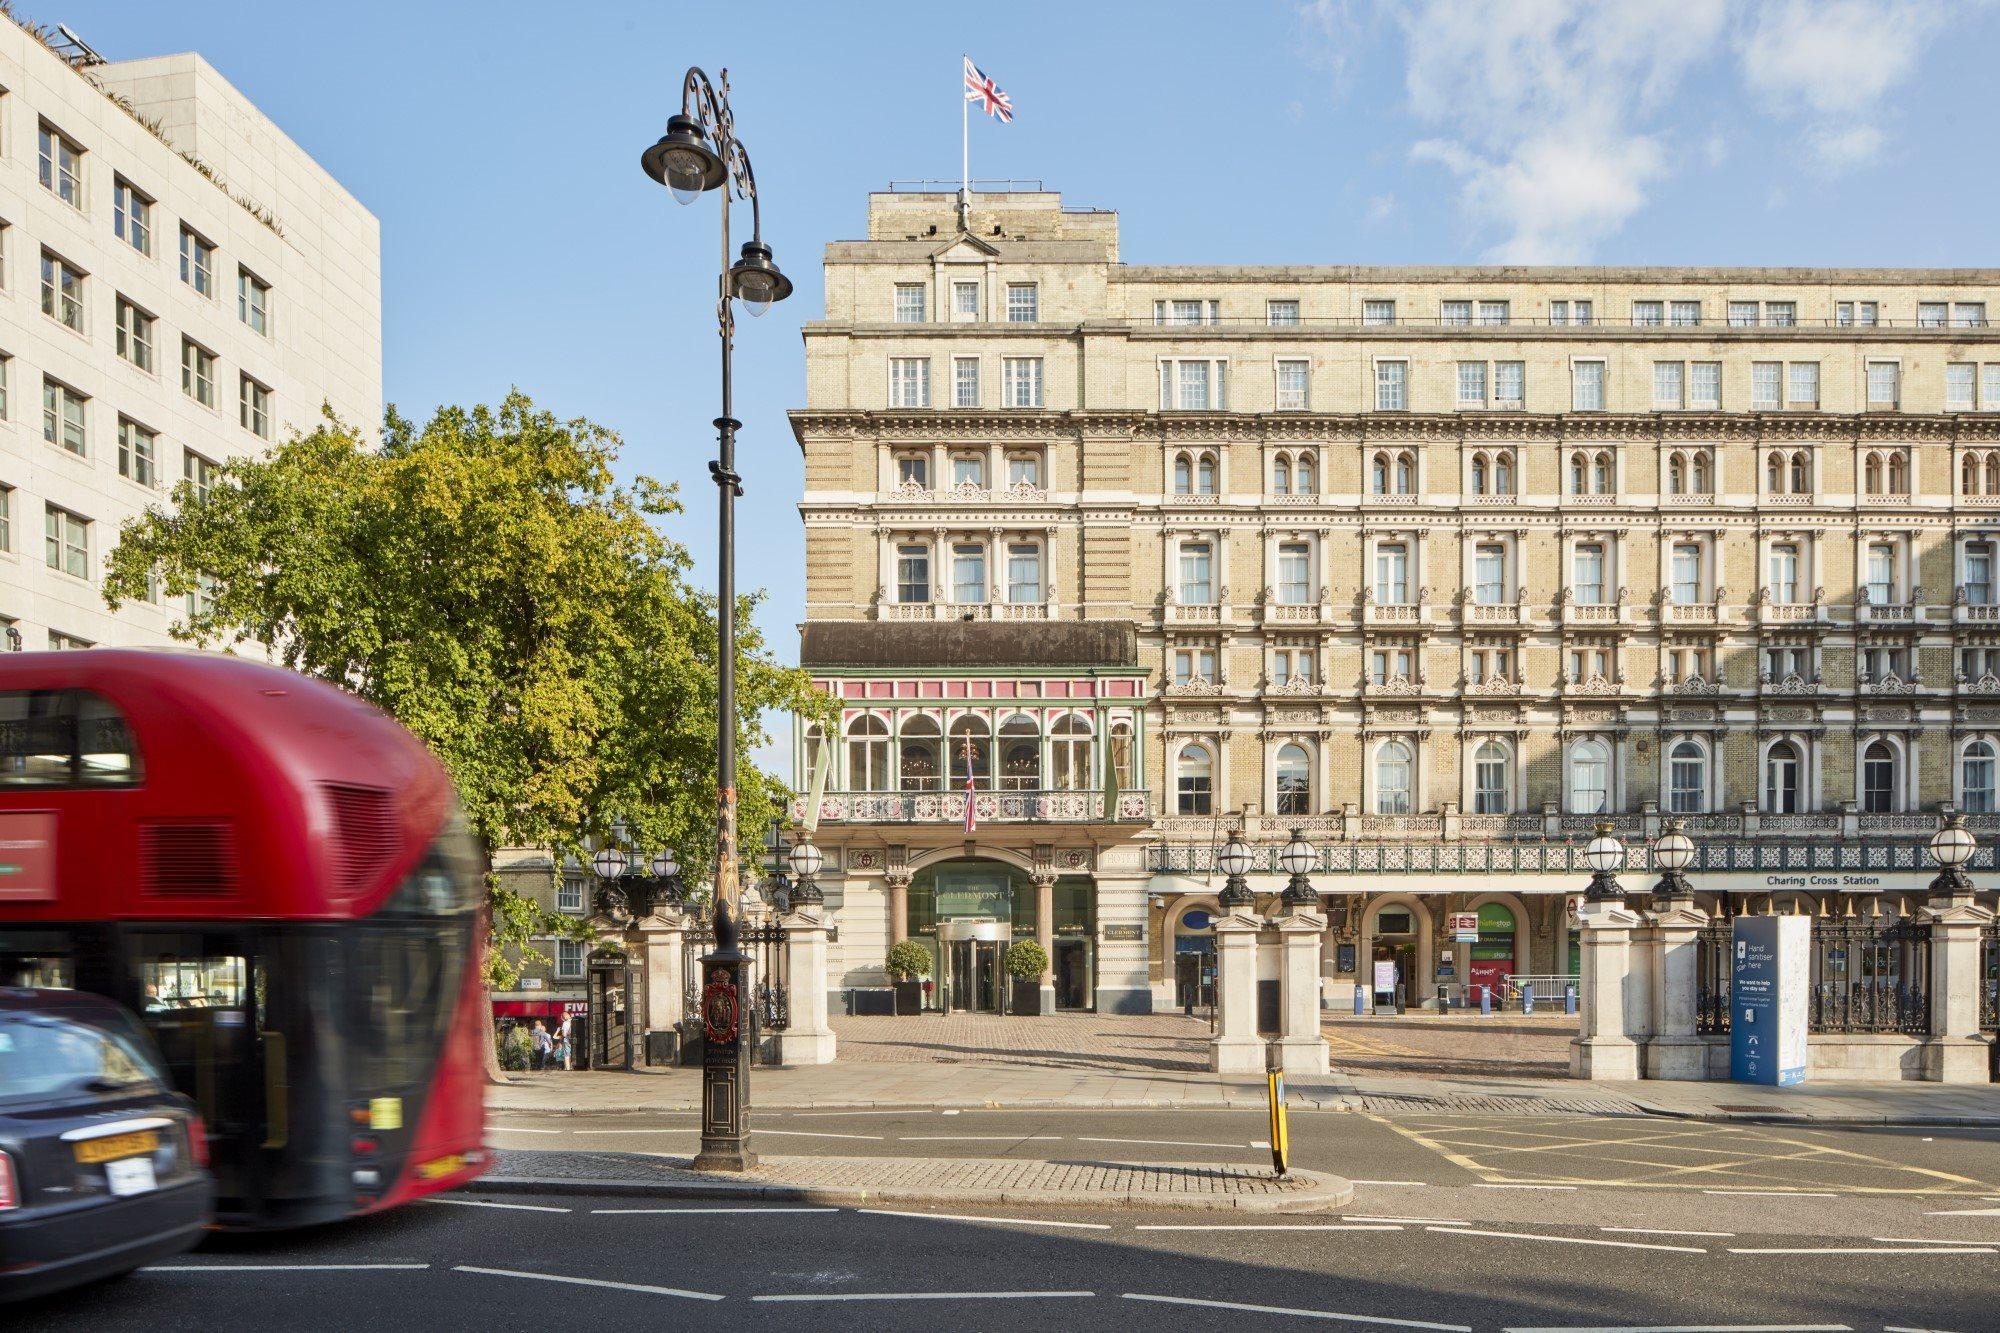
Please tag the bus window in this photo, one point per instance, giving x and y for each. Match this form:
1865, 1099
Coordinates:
64, 738
39, 958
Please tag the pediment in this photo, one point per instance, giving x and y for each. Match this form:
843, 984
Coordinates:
964, 249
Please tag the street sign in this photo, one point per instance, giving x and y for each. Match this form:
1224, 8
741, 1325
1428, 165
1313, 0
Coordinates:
1464, 927
1768, 980
1281, 1139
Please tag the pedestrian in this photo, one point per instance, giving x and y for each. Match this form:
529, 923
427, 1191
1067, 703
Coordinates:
563, 1044
543, 1045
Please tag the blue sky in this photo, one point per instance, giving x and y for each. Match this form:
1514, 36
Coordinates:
499, 142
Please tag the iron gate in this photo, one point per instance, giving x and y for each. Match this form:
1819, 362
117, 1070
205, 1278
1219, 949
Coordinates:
1989, 977
1712, 967
770, 999
1871, 977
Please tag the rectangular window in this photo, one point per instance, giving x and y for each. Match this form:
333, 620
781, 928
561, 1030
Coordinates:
132, 217
1684, 314
1472, 384
1392, 386
61, 166
1455, 312
1187, 311
1705, 384
909, 303
569, 895
1767, 385
965, 381
1855, 314
1930, 314
1802, 384
1295, 573
1784, 569
1558, 312
1647, 314
1494, 312
1021, 379
1989, 388
1510, 384
1686, 574
1960, 384
1024, 573
1281, 313
1190, 663
1742, 314
63, 416
1781, 314
1378, 312
198, 372
1979, 573
62, 292
1489, 574
1884, 383
569, 960
968, 471
1586, 385
1587, 583
6, 379
135, 335
1024, 471
913, 470
1392, 574
201, 597
65, 643
968, 573
138, 457
1194, 385
1023, 303
197, 262
7, 520
1968, 314
253, 408
965, 302
1881, 583
1292, 386
913, 574
909, 381
198, 472
253, 301
66, 541
1668, 377
1197, 575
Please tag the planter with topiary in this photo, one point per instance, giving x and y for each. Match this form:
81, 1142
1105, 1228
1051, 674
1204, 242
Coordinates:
1026, 961
907, 963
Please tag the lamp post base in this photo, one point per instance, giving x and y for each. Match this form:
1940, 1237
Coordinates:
725, 1060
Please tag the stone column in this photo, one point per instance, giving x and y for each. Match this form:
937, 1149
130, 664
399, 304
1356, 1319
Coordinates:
807, 1038
1045, 934
1302, 1047
1236, 1047
1609, 1010
1675, 1050
1956, 1052
899, 907
660, 939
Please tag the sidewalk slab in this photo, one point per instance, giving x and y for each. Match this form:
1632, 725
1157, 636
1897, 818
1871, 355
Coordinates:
960, 1182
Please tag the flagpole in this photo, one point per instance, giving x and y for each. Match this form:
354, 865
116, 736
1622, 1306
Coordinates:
964, 150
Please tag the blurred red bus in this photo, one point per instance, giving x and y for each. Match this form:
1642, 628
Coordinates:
275, 876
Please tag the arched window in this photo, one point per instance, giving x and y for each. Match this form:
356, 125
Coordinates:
1677, 475
1204, 475
1801, 473
971, 747
1975, 776
1020, 754
1281, 476
920, 767
1783, 775
1183, 474
1589, 778
1687, 778
1968, 475
1294, 781
1406, 474
1878, 778
1491, 779
1123, 756
1069, 753
1503, 473
1871, 473
1394, 771
1600, 475
1305, 476
1774, 473
1899, 472
868, 754
1703, 484
1378, 475
1479, 474
1579, 474
1993, 474
1194, 780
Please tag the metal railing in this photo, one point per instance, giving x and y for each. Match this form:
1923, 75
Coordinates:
1547, 988
1712, 969
1001, 807
1871, 977
1989, 977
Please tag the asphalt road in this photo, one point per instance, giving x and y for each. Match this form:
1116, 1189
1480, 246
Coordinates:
1459, 1223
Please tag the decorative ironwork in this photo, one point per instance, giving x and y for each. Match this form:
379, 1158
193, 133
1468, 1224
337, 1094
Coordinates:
1712, 964
1871, 976
1989, 977
770, 993
1526, 857
992, 807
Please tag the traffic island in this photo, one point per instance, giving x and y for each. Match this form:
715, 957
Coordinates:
959, 1182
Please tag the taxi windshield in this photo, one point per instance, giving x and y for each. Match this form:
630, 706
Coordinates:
49, 1057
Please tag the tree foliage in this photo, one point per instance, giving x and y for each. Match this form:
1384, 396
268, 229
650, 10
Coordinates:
487, 581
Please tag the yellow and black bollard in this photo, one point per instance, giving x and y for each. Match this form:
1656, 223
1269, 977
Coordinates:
1281, 1147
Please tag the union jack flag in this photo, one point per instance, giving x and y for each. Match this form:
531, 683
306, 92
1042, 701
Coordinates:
981, 88
971, 792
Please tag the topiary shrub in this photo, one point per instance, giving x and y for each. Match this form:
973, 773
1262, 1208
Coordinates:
907, 960
1027, 960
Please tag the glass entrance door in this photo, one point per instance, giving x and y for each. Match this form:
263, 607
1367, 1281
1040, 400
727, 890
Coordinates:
975, 976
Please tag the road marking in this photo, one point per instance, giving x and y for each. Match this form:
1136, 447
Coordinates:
976, 1138
669, 1129
1513, 1185
588, 1282
715, 1210
284, 1268
1866, 1249
522, 1129
1270, 1226
819, 1134
486, 1203
1008, 1221
1693, 1328
1566, 1240
1409, 1221
932, 1296
1334, 1315
1169, 1143
1259, 1143
829, 1115
1775, 1194
1966, 1212
949, 1113
1662, 1231
1926, 1240
1388, 1182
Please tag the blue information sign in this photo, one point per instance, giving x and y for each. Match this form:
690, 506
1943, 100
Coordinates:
1767, 991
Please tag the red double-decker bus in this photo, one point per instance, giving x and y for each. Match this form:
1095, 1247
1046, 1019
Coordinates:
276, 878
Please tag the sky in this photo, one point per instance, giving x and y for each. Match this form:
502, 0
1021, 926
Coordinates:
523, 247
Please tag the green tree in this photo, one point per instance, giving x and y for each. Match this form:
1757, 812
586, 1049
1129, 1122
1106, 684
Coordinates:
489, 583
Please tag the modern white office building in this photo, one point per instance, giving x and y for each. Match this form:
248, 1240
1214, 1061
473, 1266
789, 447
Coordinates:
180, 284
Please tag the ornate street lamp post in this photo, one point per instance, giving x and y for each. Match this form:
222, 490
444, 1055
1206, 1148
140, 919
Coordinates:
1673, 851
1604, 854
1951, 847
700, 152
610, 865
1235, 859
806, 861
1298, 859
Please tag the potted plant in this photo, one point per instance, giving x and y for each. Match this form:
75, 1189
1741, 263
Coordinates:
907, 962
1027, 960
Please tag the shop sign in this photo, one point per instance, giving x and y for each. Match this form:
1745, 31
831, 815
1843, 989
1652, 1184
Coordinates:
1465, 927
1129, 931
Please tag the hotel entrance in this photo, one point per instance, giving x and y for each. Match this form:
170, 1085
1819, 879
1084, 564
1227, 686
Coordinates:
975, 976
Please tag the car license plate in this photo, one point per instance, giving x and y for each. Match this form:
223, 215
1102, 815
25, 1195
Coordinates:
113, 1146
130, 1175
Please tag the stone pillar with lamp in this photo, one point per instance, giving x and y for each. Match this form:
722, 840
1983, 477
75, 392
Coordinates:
1236, 1048
1609, 1013
1956, 1052
807, 1038
1302, 1046
1675, 1049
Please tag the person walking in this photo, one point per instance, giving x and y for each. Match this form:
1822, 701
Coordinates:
543, 1045
565, 1056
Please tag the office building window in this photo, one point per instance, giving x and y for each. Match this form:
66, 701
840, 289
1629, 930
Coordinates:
66, 541
1021, 380
6, 382
1648, 314
61, 166
1587, 386
1392, 386
909, 381
1489, 574
1023, 303
1491, 779
1880, 580
198, 472
914, 470
1510, 384
909, 303
1686, 572
1931, 314
1968, 314
1392, 574
968, 471
197, 262
1742, 314
198, 372
1494, 312
138, 454
1684, 314
1589, 777
965, 381
1569, 312
253, 301
254, 408
1781, 314
135, 335
1192, 664
1455, 312
1976, 778
1783, 565
62, 291
6, 520
1855, 314
569, 960
64, 419
132, 217
1783, 774
1024, 471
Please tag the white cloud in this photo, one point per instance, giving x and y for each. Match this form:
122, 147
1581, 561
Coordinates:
1381, 208
1830, 63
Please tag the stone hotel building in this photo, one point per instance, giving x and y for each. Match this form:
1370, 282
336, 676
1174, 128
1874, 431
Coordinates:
1441, 566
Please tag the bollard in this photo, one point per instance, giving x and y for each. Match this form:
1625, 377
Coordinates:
1527, 1001
1360, 999
1399, 997
1485, 1001
1569, 999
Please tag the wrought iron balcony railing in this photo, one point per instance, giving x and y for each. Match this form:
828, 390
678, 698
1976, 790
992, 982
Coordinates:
995, 807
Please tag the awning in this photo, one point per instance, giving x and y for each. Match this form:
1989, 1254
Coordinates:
538, 1008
